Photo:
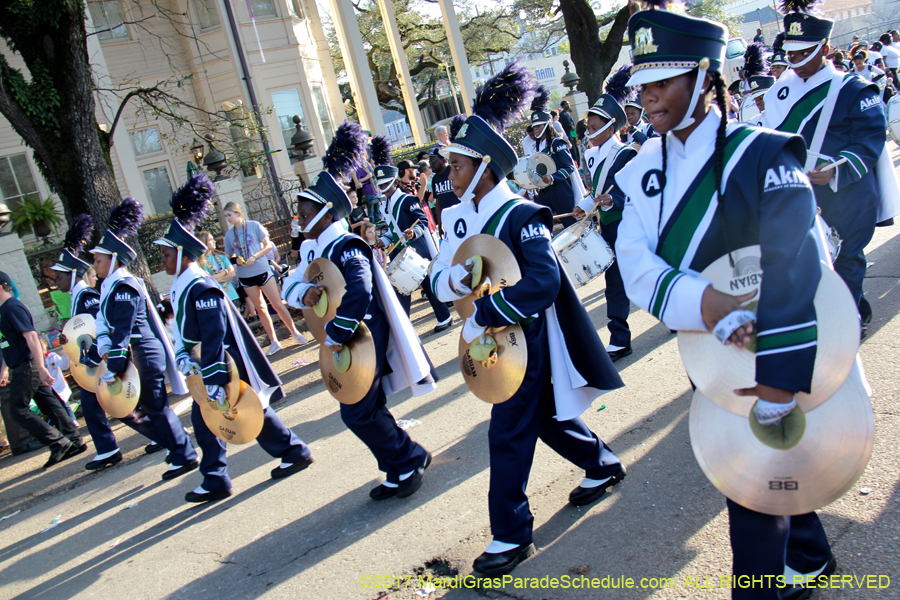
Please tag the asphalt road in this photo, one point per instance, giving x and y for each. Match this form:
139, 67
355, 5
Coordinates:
124, 533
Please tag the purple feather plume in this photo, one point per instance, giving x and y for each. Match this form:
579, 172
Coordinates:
79, 234
754, 64
505, 96
541, 99
347, 149
191, 202
455, 125
617, 85
381, 150
778, 43
125, 219
803, 6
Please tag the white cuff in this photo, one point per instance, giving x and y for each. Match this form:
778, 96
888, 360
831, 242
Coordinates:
683, 311
295, 297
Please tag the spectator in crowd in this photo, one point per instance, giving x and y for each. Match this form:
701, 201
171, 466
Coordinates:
406, 177
218, 265
568, 124
363, 179
441, 186
443, 135
853, 43
759, 37
891, 56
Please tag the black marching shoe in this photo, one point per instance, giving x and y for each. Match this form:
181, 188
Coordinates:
96, 465
279, 473
583, 496
801, 592
207, 497
382, 492
411, 484
76, 449
502, 563
29, 447
153, 448
617, 354
185, 468
444, 326
60, 454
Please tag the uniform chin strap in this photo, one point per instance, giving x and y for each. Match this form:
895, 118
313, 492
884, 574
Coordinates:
470, 191
72, 285
811, 56
541, 134
178, 260
316, 219
387, 185
688, 119
599, 131
112, 262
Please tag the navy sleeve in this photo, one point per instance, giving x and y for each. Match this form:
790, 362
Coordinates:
617, 195
565, 166
121, 310
539, 285
639, 136
210, 319
409, 212
354, 262
867, 125
88, 304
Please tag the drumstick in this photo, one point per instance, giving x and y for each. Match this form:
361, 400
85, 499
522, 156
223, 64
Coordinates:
596, 205
830, 166
560, 217
394, 245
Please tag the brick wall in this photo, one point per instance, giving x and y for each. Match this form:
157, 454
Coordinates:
14, 264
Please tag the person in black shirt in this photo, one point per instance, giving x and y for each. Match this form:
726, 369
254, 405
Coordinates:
441, 187
24, 371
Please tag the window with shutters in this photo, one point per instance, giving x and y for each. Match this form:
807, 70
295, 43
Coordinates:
207, 13
16, 179
159, 188
108, 21
146, 141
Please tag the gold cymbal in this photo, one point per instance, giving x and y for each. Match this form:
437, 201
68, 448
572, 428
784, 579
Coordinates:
498, 378
805, 463
197, 388
119, 398
500, 269
239, 421
79, 332
86, 377
325, 274
717, 369
354, 383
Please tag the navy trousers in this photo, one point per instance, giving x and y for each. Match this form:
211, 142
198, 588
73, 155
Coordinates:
150, 360
617, 303
275, 438
763, 544
372, 422
441, 312
515, 428
856, 230
99, 428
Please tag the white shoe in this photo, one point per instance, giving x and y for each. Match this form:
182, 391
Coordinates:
273, 348
300, 339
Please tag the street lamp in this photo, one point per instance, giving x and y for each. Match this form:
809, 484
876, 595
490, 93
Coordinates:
302, 141
214, 161
569, 80
197, 151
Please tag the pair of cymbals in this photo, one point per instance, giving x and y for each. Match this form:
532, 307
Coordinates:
499, 269
119, 398
326, 275
717, 369
496, 379
240, 419
350, 377
800, 465
79, 333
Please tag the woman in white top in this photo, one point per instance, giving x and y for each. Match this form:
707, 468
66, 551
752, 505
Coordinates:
248, 242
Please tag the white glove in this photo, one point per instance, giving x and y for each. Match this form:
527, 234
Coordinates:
108, 377
295, 298
216, 393
457, 274
730, 323
330, 343
103, 348
472, 330
187, 366
771, 413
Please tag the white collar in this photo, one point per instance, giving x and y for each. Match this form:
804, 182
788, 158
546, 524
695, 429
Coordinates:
331, 233
494, 199
117, 275
397, 193
822, 75
194, 271
699, 139
606, 146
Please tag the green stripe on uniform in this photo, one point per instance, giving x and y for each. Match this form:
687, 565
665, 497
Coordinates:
786, 339
803, 109
505, 307
661, 291
346, 323
494, 223
854, 160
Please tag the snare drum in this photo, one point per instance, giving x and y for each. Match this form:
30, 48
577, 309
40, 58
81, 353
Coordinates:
832, 239
749, 112
530, 169
407, 271
584, 254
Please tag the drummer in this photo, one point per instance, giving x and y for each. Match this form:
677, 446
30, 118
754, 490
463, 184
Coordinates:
605, 158
321, 207
672, 230
78, 278
778, 63
559, 195
127, 323
549, 310
204, 315
407, 226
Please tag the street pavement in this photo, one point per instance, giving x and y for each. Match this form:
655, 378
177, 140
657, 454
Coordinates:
125, 534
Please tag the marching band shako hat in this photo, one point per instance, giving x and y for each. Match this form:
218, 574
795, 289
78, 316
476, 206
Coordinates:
77, 236
607, 107
499, 102
803, 30
759, 84
124, 221
540, 118
385, 171
778, 58
635, 101
190, 205
345, 154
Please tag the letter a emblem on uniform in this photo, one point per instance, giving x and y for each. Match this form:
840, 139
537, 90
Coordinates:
783, 93
460, 228
653, 183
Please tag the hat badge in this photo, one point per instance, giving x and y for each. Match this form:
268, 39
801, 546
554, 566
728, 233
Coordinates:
796, 28
753, 85
462, 130
643, 42
315, 181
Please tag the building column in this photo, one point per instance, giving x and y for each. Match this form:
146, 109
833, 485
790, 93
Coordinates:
332, 91
406, 87
458, 51
364, 97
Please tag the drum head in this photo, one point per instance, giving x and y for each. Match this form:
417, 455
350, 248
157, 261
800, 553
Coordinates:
894, 117
542, 164
748, 109
498, 378
352, 385
120, 398
326, 275
500, 267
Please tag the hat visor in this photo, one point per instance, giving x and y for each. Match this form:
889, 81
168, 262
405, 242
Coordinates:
165, 242
99, 250
446, 152
308, 196
61, 268
757, 93
797, 45
650, 75
384, 185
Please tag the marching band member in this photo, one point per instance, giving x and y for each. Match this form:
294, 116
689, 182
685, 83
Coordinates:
755, 81
853, 138
560, 195
76, 277
605, 158
127, 323
550, 312
368, 298
204, 315
407, 220
702, 190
